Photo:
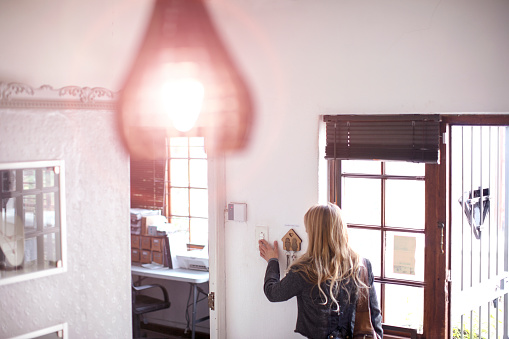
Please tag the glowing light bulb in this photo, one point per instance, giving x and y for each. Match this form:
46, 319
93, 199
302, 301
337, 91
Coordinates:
182, 101
183, 82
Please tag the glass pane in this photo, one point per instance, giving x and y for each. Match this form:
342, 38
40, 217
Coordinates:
179, 201
48, 177
8, 180
404, 306
361, 201
199, 202
197, 148
30, 252
180, 224
179, 172
49, 210
8, 211
28, 179
197, 142
367, 243
52, 248
361, 166
198, 173
199, 231
179, 142
404, 257
29, 208
404, 201
179, 148
404, 168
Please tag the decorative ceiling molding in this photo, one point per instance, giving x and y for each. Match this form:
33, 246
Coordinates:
18, 95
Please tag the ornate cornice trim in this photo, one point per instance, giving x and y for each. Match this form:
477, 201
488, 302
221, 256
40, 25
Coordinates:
18, 95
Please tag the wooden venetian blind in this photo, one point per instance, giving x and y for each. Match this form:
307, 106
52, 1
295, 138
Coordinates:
414, 138
148, 177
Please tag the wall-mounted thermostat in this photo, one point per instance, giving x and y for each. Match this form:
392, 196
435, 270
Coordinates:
237, 212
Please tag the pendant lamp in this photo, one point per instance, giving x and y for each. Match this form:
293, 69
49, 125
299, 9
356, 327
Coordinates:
183, 83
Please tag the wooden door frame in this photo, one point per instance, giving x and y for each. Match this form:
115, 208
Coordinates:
437, 320
436, 256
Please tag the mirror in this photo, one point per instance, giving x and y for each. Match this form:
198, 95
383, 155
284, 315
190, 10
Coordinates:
32, 233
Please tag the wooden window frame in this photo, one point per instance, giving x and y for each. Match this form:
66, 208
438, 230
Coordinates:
436, 322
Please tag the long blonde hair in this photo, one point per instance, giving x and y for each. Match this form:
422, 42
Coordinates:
329, 257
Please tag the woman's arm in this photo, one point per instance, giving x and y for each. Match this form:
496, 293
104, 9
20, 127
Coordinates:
376, 314
278, 290
284, 289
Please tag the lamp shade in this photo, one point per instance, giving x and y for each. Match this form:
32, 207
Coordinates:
183, 83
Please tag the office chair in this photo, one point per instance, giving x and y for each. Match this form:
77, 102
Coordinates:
142, 304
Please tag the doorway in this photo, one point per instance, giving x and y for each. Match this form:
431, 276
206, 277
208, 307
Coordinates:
478, 222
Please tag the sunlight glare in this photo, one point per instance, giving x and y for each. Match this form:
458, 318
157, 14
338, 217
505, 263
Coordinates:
182, 100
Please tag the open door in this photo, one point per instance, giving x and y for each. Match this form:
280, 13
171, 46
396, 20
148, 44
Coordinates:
478, 226
217, 204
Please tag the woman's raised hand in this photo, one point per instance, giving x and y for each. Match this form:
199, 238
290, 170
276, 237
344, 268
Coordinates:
266, 251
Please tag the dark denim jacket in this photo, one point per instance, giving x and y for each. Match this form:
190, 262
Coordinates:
315, 320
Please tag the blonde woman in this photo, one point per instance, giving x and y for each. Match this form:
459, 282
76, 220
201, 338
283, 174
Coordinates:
325, 279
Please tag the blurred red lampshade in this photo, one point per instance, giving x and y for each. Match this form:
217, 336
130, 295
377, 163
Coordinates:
183, 83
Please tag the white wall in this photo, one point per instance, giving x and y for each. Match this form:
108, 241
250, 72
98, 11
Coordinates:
302, 58
306, 58
94, 294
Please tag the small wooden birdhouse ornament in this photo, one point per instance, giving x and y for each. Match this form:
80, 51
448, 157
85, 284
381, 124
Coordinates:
291, 241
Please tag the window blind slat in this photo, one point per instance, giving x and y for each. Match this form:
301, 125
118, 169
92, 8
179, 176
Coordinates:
414, 138
148, 180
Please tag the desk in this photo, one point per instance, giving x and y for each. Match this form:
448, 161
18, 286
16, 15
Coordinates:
179, 274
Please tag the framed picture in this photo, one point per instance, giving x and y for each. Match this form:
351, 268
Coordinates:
32, 220
54, 332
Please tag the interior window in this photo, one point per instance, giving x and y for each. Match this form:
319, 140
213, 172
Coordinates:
187, 193
384, 206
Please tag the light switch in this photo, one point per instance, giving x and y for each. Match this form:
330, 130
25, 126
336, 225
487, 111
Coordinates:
261, 232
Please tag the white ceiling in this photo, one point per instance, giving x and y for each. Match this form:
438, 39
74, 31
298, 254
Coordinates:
70, 42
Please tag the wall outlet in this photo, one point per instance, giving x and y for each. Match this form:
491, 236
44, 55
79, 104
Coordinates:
261, 232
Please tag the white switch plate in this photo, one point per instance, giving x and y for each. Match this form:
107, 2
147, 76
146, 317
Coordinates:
261, 232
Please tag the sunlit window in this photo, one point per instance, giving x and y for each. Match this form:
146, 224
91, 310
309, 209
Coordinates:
187, 207
383, 203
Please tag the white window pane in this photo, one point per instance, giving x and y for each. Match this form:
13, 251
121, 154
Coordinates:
180, 201
197, 142
179, 142
361, 201
28, 179
199, 202
51, 248
199, 231
404, 204
198, 173
179, 148
367, 243
197, 153
404, 306
29, 208
30, 252
49, 210
179, 172
180, 224
404, 256
404, 168
48, 177
361, 166
197, 148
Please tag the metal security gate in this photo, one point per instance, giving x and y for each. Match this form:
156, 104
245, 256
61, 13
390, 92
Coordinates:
478, 242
